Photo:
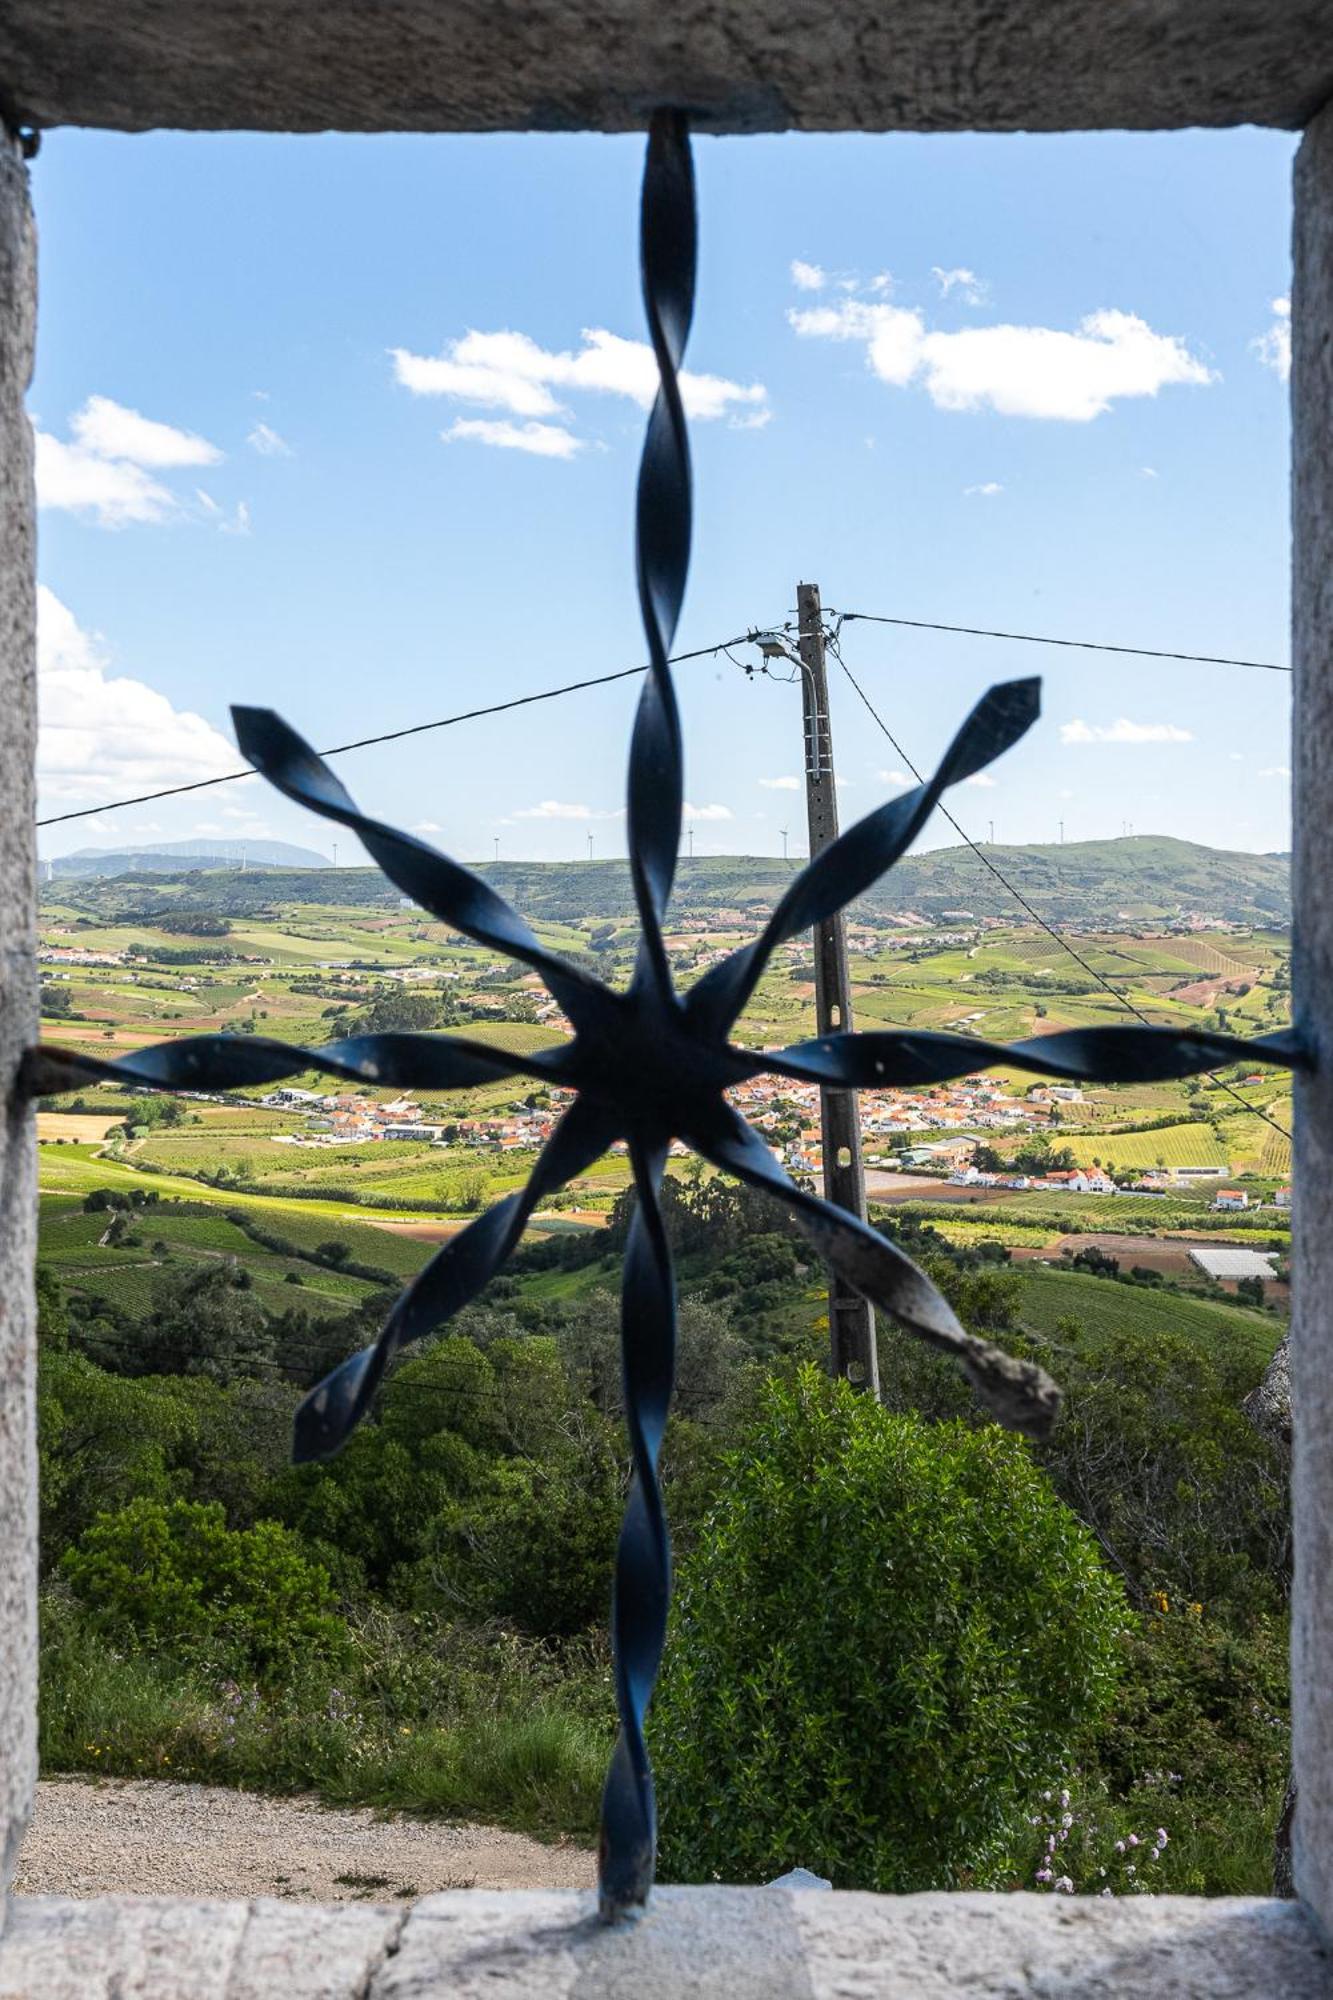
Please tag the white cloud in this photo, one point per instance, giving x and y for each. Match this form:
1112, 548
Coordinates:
561, 809
808, 277
987, 490
268, 442
109, 430
116, 494
102, 733
1148, 472
1276, 771
781, 784
1124, 731
967, 284
982, 778
239, 522
1023, 371
427, 826
1274, 347
894, 778
707, 812
107, 470
510, 371
541, 440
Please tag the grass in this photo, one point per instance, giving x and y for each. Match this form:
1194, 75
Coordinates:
506, 1748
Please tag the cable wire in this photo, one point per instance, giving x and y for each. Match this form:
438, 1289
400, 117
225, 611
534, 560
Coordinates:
396, 735
1042, 639
831, 640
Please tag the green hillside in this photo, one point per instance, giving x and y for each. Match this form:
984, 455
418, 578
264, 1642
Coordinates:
1145, 878
1102, 1307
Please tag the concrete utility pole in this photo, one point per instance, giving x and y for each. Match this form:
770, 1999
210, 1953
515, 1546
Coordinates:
851, 1318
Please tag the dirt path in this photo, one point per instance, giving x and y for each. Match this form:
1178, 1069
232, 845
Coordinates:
112, 1836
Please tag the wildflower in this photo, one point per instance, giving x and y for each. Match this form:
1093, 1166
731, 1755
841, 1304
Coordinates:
1067, 1820
1064, 1799
1133, 1840
1108, 1892
1064, 1887
1161, 1838
1120, 1847
404, 1732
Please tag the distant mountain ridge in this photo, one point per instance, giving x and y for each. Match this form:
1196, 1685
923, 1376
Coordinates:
1140, 880
173, 856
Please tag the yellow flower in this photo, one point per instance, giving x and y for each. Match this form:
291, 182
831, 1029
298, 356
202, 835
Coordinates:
1159, 1600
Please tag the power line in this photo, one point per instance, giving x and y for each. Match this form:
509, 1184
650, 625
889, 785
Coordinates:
702, 652
396, 735
1022, 901
1043, 639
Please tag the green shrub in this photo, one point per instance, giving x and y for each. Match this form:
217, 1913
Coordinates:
889, 1637
177, 1579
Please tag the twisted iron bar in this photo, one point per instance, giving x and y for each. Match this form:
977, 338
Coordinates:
649, 1065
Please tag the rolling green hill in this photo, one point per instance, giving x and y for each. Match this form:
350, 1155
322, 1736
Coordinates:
1143, 879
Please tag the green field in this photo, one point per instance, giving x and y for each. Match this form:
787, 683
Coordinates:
1170, 1146
1105, 1307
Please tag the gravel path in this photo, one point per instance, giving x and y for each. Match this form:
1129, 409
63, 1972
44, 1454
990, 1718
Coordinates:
134, 1836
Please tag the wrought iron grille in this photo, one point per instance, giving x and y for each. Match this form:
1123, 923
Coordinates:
649, 1064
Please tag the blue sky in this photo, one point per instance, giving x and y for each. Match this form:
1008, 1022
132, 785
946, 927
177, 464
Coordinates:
1032, 383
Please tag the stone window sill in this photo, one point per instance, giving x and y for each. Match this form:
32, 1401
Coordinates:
735, 1944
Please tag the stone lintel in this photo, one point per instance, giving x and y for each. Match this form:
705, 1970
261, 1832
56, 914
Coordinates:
737, 65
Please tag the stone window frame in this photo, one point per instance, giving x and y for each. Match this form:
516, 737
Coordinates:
456, 65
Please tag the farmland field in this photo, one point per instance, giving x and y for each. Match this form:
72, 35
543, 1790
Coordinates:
1170, 1146
312, 966
1105, 1307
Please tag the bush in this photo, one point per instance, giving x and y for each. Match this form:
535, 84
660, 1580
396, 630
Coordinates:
889, 1636
177, 1579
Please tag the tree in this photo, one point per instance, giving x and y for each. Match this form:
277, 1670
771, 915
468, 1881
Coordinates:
102, 1441
889, 1637
178, 1578
205, 1322
402, 1009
